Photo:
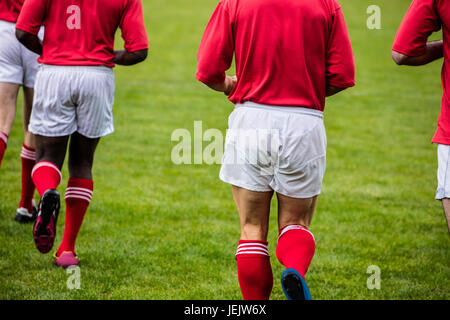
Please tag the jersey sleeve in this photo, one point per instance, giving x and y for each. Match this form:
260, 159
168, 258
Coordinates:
420, 22
340, 70
32, 16
216, 49
133, 27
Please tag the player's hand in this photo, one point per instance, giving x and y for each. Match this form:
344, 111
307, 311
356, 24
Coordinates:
230, 83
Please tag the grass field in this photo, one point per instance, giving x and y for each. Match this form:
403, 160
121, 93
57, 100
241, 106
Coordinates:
156, 230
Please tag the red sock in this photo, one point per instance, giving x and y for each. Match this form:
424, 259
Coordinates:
254, 270
46, 175
28, 162
78, 197
295, 248
3, 143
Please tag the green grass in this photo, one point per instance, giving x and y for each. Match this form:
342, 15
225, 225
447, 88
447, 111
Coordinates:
155, 230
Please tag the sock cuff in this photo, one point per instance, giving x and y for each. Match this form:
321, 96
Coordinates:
252, 247
81, 189
46, 164
295, 227
4, 137
28, 153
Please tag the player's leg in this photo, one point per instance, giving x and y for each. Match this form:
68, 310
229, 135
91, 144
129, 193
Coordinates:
296, 244
252, 256
298, 183
8, 102
443, 175
27, 211
78, 195
11, 77
53, 120
46, 174
446, 205
94, 99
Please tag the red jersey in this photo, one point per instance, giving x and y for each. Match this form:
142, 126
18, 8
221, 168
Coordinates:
422, 19
10, 9
81, 32
287, 51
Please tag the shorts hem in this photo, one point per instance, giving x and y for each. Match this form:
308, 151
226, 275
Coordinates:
442, 194
299, 196
63, 134
95, 136
47, 134
20, 83
257, 189
28, 85
244, 185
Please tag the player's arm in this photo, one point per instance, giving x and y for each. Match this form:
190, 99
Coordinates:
226, 86
125, 58
411, 46
434, 51
215, 54
29, 23
134, 34
340, 72
30, 41
331, 91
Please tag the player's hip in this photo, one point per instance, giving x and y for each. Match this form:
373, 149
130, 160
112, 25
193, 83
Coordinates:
283, 149
296, 132
75, 80
73, 71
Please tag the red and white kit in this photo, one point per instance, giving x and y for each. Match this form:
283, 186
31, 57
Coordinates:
286, 52
75, 86
422, 19
17, 64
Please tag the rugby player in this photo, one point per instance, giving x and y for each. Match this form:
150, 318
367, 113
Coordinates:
74, 95
290, 55
411, 47
18, 67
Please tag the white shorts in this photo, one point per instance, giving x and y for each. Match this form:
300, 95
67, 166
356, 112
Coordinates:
17, 64
443, 174
275, 148
73, 98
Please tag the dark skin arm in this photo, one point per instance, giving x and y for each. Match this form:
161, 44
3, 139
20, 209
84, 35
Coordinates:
30, 41
226, 86
122, 57
331, 91
434, 51
125, 58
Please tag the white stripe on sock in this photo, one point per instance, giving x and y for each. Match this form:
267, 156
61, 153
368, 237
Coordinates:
46, 164
253, 244
76, 189
27, 154
4, 137
77, 193
295, 227
253, 252
75, 196
253, 248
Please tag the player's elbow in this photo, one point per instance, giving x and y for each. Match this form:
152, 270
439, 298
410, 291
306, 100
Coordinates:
142, 55
399, 58
21, 35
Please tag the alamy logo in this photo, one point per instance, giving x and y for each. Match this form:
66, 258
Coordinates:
74, 279
374, 280
258, 147
374, 19
74, 20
